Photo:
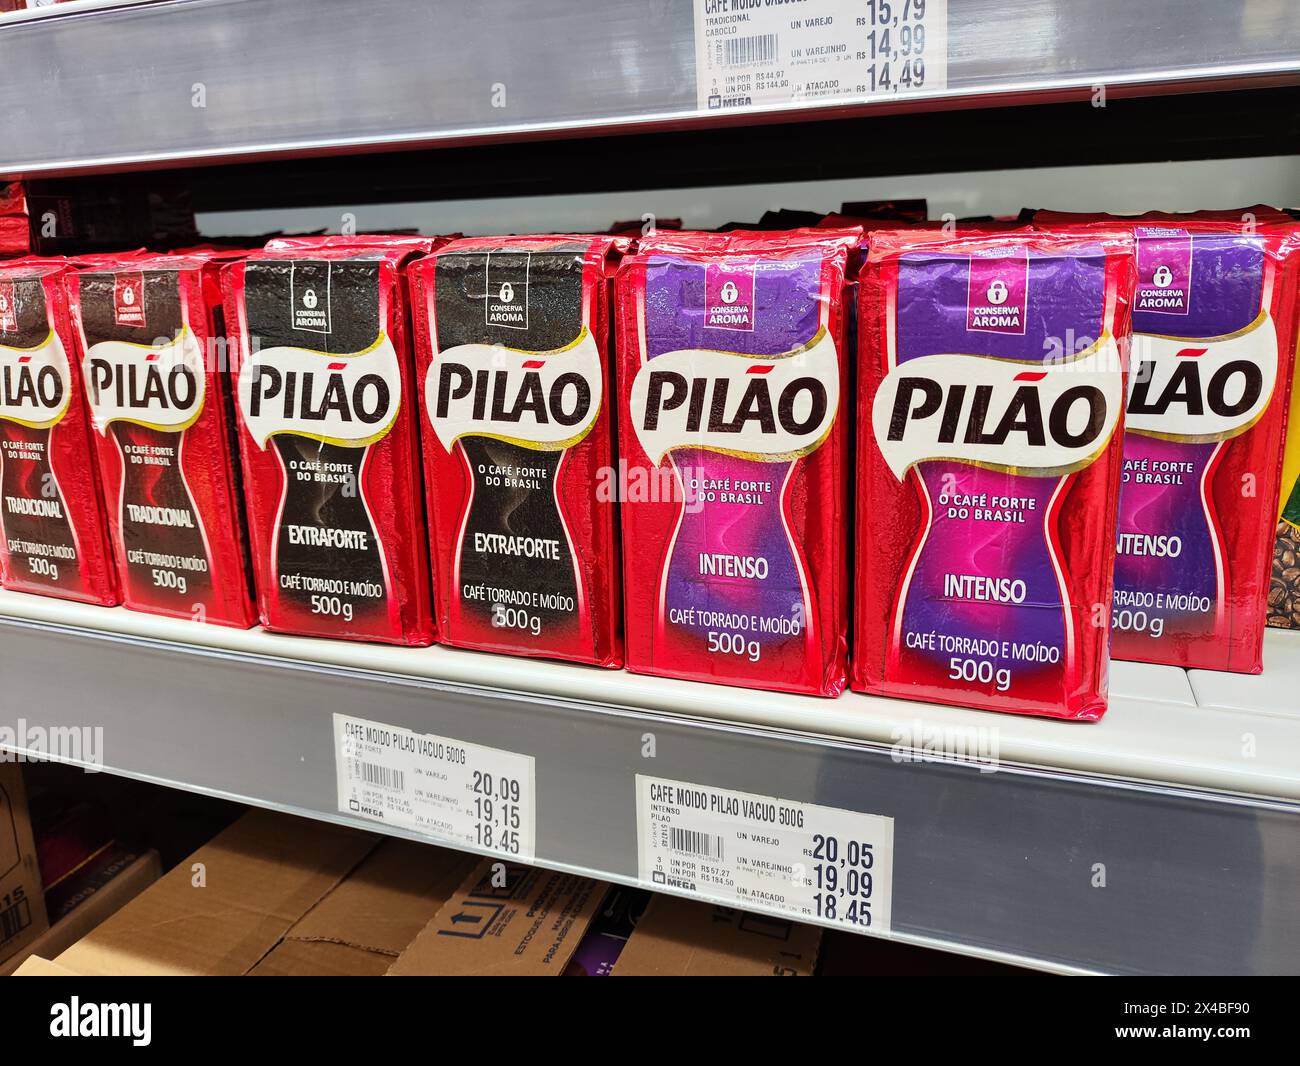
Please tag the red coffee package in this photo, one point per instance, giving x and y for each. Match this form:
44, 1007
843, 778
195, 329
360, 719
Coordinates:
15, 225
1214, 337
152, 343
52, 535
512, 357
991, 382
328, 437
732, 417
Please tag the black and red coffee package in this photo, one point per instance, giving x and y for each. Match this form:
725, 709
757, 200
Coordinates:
512, 358
329, 440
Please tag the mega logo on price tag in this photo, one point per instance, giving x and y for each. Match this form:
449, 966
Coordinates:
467, 795
763, 853
751, 54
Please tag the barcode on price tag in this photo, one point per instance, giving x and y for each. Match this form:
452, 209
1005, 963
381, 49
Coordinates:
739, 51
763, 853
463, 794
749, 53
689, 842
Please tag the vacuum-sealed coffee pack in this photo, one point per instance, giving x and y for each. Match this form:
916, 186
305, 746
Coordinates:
53, 539
991, 398
330, 445
1214, 336
733, 413
153, 355
512, 359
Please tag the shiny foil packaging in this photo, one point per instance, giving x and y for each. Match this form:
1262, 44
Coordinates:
326, 405
151, 340
1214, 337
990, 428
733, 412
53, 539
512, 341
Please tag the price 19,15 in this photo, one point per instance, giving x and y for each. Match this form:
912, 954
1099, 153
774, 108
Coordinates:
497, 815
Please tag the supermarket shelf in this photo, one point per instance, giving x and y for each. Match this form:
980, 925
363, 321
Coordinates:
1272, 692
1198, 835
316, 76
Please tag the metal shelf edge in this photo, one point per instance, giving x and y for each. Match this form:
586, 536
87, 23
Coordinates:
407, 75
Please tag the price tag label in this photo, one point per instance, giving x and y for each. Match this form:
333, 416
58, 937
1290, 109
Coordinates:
763, 853
463, 794
755, 53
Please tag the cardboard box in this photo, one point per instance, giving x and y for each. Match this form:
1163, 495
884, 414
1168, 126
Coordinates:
686, 938
505, 921
104, 900
229, 904
22, 902
274, 894
363, 924
35, 966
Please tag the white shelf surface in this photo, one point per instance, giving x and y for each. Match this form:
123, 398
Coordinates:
1160, 727
1274, 692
